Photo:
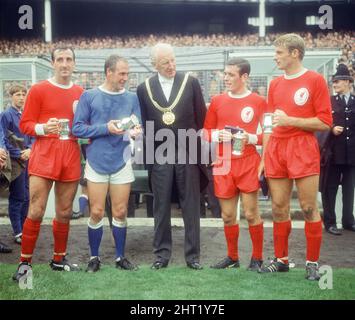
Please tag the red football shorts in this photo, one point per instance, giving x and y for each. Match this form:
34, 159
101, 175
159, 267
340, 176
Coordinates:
55, 159
292, 158
241, 177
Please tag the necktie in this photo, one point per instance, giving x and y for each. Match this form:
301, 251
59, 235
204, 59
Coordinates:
343, 99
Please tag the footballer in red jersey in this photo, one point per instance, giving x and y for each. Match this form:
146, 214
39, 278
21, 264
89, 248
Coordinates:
300, 103
239, 175
55, 159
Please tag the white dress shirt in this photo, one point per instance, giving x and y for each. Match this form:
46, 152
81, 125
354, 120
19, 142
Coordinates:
346, 97
166, 85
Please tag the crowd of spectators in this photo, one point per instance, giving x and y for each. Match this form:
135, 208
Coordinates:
344, 40
37, 46
20, 48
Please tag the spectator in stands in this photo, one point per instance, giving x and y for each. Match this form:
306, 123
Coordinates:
37, 47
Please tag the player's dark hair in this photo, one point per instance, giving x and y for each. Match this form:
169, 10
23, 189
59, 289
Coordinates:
242, 65
61, 49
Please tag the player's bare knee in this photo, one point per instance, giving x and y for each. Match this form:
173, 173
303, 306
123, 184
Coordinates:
228, 218
64, 211
96, 214
64, 215
280, 213
120, 211
310, 212
36, 211
35, 214
278, 217
252, 217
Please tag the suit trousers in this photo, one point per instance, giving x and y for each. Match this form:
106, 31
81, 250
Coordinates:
187, 177
343, 175
18, 201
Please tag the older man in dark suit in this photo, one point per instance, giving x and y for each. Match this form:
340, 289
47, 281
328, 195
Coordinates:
173, 101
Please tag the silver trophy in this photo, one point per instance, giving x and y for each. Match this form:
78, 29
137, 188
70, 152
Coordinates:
127, 123
267, 122
64, 129
238, 143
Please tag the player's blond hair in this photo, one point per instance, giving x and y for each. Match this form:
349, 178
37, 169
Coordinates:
291, 41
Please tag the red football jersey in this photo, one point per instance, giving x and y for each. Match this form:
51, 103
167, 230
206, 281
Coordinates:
46, 100
245, 112
305, 96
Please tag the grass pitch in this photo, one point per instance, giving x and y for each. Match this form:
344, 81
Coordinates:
174, 283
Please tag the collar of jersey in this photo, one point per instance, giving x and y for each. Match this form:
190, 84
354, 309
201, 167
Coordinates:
112, 92
239, 96
62, 86
296, 75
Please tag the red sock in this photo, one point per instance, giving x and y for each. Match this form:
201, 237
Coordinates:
60, 233
30, 232
282, 231
232, 234
313, 232
257, 238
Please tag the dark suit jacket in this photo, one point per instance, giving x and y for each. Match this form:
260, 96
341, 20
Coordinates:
189, 113
338, 149
344, 144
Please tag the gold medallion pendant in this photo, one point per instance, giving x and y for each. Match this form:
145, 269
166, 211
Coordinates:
168, 117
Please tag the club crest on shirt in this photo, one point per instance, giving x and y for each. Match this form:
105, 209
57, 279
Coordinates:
75, 104
247, 114
301, 96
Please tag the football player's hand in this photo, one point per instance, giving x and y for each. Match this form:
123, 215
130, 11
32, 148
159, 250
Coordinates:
246, 137
52, 126
112, 127
280, 118
136, 131
224, 136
